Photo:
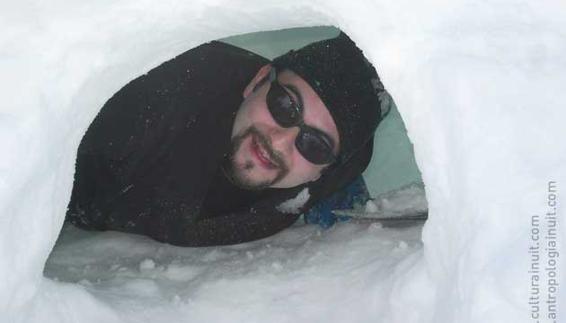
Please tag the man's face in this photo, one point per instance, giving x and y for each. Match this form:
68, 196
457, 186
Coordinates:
264, 153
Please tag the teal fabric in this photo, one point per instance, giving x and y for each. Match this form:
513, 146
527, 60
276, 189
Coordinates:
393, 163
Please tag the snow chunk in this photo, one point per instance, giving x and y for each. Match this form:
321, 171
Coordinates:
147, 264
294, 205
371, 207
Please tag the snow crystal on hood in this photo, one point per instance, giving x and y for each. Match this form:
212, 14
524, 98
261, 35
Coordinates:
294, 205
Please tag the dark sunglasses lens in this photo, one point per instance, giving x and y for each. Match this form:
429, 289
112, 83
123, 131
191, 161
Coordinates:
314, 147
283, 109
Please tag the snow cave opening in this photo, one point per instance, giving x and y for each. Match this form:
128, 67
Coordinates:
480, 89
137, 267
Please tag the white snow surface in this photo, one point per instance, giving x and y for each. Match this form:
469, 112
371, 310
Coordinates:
479, 85
301, 275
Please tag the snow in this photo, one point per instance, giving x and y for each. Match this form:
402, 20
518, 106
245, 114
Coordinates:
298, 275
409, 199
294, 205
478, 84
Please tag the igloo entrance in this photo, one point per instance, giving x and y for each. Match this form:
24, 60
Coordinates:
124, 270
464, 76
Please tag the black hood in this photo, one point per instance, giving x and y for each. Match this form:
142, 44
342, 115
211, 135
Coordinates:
346, 82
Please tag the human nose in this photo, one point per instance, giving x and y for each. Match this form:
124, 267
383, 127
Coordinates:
283, 139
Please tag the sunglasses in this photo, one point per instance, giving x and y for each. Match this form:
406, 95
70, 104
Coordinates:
315, 146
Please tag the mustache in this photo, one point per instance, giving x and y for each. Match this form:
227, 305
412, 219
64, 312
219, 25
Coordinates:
262, 140
265, 142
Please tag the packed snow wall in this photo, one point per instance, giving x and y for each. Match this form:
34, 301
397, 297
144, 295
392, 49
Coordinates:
479, 86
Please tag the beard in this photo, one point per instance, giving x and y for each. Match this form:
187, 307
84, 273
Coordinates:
238, 173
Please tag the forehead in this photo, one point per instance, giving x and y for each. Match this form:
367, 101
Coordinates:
315, 112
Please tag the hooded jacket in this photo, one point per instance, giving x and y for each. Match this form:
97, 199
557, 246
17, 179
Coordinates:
150, 161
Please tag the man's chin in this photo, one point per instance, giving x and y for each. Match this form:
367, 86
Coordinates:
239, 176
251, 183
